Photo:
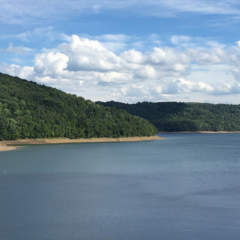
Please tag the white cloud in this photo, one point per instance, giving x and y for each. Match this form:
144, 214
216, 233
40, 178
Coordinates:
40, 33
180, 40
51, 63
113, 37
16, 70
182, 85
21, 50
204, 6
133, 56
88, 68
20, 11
89, 55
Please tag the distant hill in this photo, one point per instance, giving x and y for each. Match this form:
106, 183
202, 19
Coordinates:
29, 110
173, 116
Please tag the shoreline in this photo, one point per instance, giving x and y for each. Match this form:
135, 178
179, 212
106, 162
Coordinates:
6, 148
203, 132
9, 145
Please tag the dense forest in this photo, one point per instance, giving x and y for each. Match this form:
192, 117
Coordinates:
29, 110
173, 116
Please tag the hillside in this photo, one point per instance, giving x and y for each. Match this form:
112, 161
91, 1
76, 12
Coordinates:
173, 116
29, 110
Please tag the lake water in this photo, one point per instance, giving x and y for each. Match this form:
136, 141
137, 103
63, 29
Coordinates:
186, 187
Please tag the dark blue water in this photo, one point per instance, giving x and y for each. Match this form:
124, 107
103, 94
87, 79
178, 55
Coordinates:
186, 187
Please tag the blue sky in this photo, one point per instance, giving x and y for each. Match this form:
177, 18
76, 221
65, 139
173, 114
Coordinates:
156, 50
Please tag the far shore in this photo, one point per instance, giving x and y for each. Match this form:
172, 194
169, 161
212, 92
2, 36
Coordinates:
204, 132
9, 145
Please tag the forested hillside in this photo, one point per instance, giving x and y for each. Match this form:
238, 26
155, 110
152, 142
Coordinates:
29, 110
173, 116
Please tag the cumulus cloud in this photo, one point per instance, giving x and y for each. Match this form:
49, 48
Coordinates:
16, 70
51, 64
89, 55
89, 68
133, 56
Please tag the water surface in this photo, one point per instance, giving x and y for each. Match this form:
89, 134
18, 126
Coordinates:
186, 187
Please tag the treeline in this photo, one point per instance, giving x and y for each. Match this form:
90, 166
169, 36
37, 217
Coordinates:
29, 110
173, 116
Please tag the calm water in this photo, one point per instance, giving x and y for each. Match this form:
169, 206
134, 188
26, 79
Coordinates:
186, 187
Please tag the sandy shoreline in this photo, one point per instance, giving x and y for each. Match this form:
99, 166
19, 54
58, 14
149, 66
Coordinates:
9, 145
4, 148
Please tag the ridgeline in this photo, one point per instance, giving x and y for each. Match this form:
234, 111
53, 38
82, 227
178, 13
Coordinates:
29, 110
173, 116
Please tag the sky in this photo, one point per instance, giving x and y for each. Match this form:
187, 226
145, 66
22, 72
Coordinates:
125, 50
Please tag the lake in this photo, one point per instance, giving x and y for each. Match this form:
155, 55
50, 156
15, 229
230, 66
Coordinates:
185, 187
